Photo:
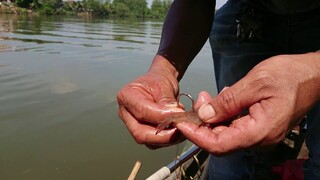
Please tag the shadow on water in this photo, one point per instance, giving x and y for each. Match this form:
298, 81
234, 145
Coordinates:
58, 82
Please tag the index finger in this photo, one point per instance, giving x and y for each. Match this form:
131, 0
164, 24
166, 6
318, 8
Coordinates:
223, 139
144, 107
146, 133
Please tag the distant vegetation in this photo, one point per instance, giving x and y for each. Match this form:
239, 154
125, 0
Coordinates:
115, 8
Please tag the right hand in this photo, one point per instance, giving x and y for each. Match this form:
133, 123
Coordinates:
277, 93
146, 101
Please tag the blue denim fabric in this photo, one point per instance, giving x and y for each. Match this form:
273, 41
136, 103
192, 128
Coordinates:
291, 34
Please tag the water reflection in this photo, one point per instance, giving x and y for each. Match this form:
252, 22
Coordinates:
97, 33
58, 81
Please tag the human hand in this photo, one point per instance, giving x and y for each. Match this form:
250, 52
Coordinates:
277, 93
146, 101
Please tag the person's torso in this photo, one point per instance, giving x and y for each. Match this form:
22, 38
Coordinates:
286, 6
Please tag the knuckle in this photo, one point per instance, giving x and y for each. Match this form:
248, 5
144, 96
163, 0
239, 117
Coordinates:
263, 80
120, 114
265, 77
121, 96
138, 140
138, 137
227, 102
140, 112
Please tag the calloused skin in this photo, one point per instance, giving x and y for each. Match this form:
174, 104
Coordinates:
278, 92
147, 101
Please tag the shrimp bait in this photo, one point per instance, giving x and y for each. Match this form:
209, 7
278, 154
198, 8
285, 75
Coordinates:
190, 116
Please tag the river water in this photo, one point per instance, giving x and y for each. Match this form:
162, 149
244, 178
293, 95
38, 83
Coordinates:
58, 82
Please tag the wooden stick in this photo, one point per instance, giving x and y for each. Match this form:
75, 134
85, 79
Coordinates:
135, 171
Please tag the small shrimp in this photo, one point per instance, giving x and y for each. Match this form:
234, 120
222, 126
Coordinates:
189, 116
179, 117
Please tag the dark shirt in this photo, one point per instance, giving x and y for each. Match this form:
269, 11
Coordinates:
285, 7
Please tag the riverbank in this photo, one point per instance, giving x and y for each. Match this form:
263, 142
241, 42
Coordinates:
10, 8
116, 8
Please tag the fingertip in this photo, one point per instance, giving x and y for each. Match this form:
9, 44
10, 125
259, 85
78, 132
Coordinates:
206, 112
203, 98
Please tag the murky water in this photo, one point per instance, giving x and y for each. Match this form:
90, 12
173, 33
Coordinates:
58, 82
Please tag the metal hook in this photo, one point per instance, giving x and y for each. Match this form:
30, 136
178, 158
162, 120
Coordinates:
187, 95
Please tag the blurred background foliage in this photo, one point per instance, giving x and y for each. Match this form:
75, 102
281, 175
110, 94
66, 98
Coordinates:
115, 8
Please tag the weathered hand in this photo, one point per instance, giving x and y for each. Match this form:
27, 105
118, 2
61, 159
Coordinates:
277, 93
146, 101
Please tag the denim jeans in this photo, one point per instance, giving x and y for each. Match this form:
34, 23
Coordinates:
287, 34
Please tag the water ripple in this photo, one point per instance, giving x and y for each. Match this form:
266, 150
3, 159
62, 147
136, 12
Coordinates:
72, 34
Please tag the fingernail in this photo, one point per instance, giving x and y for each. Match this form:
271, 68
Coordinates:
206, 112
226, 87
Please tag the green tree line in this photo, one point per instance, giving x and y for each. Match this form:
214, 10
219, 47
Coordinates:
116, 8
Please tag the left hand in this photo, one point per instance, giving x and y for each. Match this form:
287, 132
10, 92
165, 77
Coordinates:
277, 93
147, 101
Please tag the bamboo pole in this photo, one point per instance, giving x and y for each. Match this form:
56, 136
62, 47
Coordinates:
135, 171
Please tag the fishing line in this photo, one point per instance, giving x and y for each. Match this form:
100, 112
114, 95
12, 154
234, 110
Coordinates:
178, 145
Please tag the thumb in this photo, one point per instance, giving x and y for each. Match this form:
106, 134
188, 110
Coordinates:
203, 98
231, 101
